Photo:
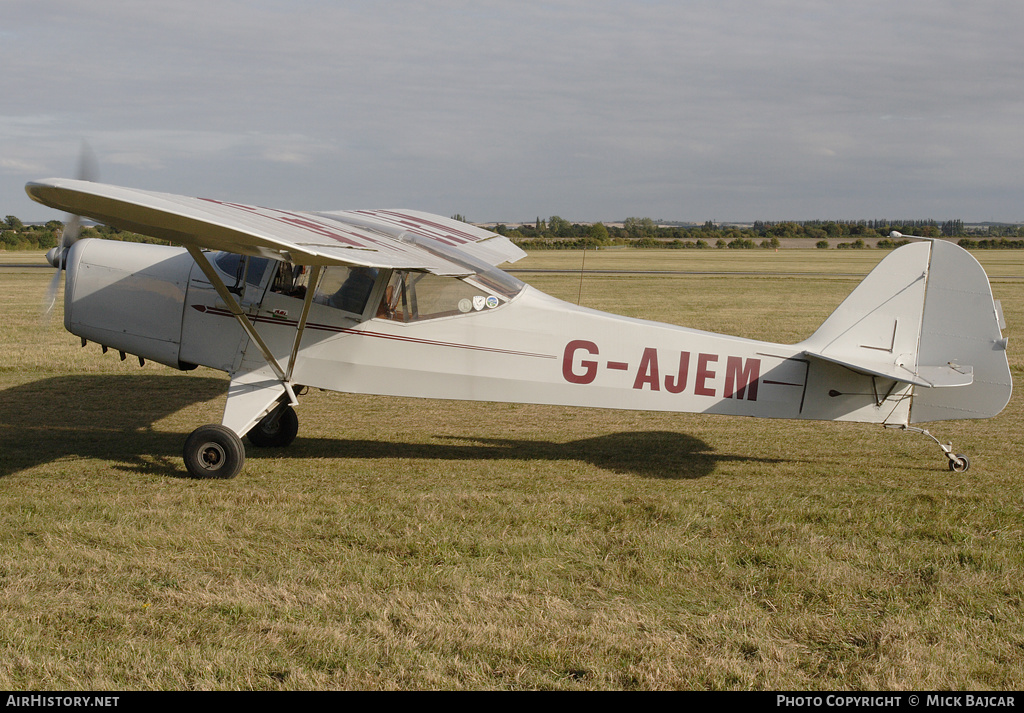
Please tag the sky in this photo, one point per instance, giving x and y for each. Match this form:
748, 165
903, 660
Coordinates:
724, 110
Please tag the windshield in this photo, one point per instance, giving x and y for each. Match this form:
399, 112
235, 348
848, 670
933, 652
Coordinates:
415, 296
485, 274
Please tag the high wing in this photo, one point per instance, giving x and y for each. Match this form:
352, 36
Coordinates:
398, 239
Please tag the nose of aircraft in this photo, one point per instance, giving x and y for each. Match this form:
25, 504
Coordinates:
127, 296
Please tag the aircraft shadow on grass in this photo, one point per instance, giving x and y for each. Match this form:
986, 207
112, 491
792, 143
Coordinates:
97, 416
112, 418
649, 454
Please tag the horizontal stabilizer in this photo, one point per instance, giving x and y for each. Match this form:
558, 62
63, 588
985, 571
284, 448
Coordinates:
928, 376
949, 375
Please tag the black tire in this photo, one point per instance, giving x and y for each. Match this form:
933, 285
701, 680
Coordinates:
214, 451
960, 464
275, 430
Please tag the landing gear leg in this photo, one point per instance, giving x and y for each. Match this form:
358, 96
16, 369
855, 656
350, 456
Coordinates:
958, 462
276, 430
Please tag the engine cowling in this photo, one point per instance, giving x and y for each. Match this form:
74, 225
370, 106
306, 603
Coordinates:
128, 296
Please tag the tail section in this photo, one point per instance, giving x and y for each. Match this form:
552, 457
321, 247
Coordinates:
924, 316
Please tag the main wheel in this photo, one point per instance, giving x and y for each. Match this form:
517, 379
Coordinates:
214, 451
275, 430
960, 464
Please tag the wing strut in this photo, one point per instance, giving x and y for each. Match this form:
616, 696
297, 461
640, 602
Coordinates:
314, 280
249, 392
236, 310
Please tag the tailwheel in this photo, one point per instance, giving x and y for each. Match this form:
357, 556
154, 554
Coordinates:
959, 463
275, 430
214, 451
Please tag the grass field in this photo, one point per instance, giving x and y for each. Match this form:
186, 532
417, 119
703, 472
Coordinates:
404, 544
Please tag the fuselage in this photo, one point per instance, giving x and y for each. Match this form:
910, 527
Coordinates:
485, 337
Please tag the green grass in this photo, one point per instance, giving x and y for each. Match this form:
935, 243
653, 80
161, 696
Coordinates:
23, 257
406, 544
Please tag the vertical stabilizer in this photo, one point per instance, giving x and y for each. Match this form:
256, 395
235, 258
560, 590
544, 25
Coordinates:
876, 330
961, 325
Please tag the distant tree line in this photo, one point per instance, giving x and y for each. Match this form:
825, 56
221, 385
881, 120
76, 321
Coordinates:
15, 235
556, 233
1001, 243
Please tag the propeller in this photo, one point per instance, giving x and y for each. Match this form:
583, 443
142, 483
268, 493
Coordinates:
87, 171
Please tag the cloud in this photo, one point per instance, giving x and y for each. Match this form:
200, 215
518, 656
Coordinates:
18, 166
594, 110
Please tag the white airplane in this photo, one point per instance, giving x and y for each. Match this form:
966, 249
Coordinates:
403, 303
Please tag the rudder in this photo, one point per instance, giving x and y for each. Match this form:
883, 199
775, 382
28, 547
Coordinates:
961, 325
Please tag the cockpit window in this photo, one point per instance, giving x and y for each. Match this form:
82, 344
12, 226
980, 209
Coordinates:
415, 296
291, 280
347, 288
399, 295
249, 269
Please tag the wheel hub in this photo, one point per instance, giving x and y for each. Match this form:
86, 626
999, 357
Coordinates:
212, 456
